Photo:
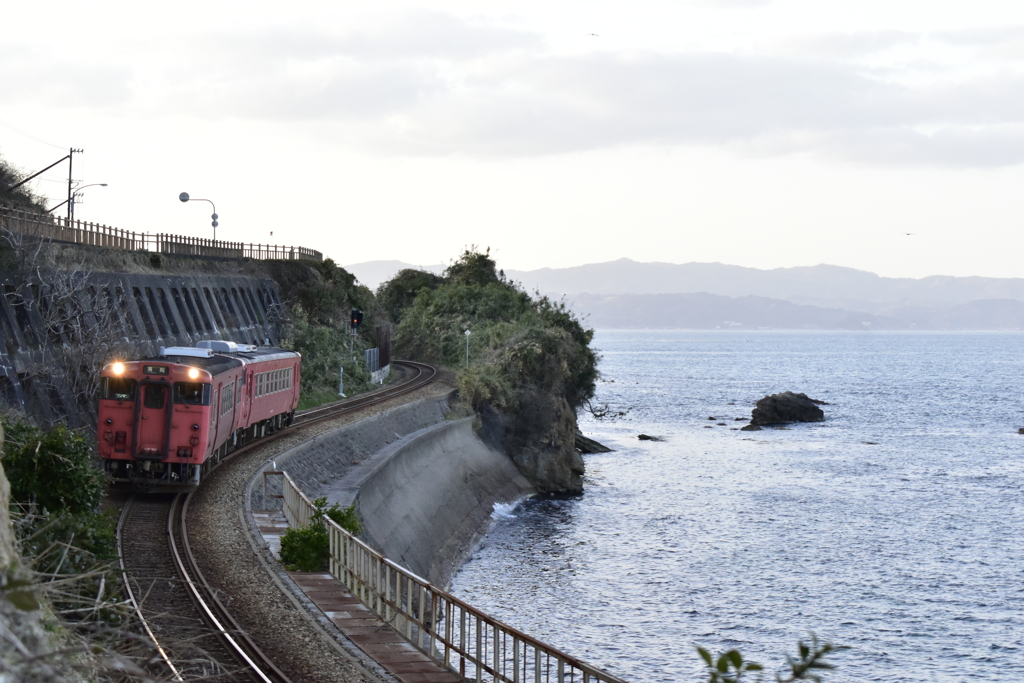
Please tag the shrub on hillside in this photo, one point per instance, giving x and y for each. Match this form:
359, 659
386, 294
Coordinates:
398, 293
55, 493
324, 350
51, 469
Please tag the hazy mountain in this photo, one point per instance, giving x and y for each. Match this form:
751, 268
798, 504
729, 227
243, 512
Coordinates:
625, 294
822, 285
705, 311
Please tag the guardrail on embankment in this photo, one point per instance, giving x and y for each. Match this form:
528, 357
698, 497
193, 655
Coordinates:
58, 229
446, 629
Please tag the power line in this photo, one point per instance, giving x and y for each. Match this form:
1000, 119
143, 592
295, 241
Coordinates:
18, 130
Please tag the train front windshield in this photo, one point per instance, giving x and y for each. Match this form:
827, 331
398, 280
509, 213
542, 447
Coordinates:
118, 389
192, 393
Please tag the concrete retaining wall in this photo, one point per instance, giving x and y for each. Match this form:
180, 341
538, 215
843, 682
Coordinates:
146, 311
427, 499
424, 487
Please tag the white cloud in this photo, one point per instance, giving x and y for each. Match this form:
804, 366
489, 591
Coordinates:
31, 74
431, 83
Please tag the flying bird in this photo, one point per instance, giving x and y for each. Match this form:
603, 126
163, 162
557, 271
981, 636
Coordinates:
594, 34
909, 233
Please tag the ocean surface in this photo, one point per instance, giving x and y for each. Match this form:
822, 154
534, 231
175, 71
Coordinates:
895, 527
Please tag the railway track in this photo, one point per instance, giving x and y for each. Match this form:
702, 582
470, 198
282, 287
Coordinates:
194, 633
424, 374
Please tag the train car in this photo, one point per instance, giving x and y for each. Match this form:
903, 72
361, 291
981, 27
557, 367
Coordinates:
169, 418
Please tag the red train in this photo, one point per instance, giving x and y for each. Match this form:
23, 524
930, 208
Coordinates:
167, 419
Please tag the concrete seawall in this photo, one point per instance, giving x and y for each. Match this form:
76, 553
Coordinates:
424, 487
426, 499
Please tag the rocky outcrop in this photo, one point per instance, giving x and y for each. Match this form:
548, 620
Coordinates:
787, 407
541, 440
585, 445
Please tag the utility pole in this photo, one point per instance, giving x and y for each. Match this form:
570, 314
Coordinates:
71, 161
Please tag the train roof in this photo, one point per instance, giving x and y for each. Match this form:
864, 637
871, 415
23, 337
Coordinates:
262, 353
215, 364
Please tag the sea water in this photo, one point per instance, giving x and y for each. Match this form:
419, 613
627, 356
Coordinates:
895, 527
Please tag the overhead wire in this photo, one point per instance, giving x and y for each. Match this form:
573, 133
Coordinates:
29, 135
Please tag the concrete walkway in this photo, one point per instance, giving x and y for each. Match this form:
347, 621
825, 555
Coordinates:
364, 628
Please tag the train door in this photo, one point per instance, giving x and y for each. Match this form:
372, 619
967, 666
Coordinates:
250, 382
218, 408
153, 426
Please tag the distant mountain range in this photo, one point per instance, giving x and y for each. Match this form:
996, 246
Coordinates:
626, 294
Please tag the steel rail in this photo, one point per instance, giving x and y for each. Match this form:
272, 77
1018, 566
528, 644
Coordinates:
175, 674
214, 612
424, 375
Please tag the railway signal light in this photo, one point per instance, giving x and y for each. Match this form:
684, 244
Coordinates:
357, 319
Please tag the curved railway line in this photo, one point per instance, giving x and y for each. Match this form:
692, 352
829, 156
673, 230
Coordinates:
194, 634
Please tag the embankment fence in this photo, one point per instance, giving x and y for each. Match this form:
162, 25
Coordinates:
58, 229
449, 631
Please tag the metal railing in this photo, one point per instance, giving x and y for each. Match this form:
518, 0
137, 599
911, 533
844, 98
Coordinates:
449, 631
58, 229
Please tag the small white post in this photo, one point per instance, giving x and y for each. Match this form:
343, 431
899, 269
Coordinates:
467, 348
341, 382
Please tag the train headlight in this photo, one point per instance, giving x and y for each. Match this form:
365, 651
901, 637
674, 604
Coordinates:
118, 368
193, 373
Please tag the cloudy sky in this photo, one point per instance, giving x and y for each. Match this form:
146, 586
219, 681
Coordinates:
765, 133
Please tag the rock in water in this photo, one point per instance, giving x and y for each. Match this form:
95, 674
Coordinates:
786, 407
648, 437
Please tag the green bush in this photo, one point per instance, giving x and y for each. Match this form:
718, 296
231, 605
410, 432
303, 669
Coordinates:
308, 548
53, 470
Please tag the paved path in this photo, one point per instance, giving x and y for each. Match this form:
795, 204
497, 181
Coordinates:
364, 628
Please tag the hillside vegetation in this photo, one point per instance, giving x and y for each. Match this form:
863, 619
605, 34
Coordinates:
19, 198
530, 362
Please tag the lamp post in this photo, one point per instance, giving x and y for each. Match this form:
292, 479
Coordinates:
467, 348
77, 194
185, 198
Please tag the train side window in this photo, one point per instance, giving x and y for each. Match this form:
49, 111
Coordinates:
118, 389
227, 398
192, 393
153, 396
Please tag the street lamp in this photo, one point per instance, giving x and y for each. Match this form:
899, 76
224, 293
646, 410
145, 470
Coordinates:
467, 348
77, 194
184, 198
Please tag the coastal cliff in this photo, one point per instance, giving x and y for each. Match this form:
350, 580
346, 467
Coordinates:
524, 364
